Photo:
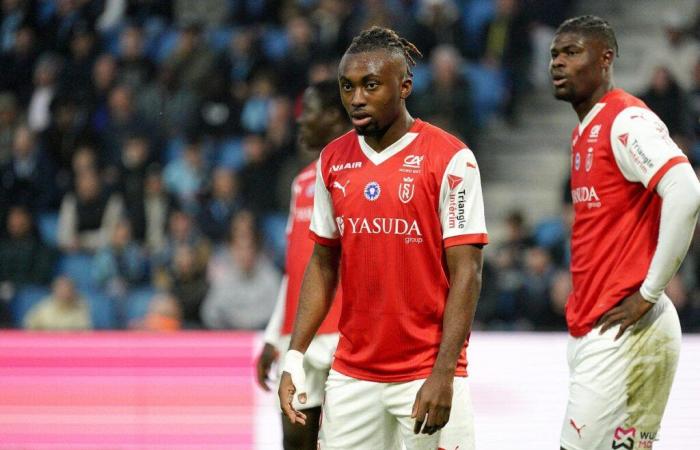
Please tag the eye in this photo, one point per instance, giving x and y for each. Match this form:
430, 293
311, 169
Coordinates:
347, 87
372, 85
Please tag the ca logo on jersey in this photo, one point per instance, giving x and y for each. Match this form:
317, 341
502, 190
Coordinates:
341, 224
406, 190
589, 159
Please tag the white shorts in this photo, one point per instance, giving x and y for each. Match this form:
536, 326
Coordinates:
367, 415
618, 389
317, 363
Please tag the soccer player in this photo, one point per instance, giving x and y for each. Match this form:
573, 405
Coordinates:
636, 203
322, 119
398, 217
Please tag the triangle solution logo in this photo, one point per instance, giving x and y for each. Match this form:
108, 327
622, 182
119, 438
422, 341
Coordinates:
623, 138
453, 181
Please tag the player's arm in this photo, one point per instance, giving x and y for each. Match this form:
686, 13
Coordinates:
434, 399
317, 292
680, 192
461, 210
315, 299
647, 146
269, 353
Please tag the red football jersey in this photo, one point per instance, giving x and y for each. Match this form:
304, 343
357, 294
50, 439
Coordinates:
299, 249
620, 151
393, 213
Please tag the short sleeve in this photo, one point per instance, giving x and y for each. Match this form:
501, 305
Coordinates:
643, 149
461, 202
323, 228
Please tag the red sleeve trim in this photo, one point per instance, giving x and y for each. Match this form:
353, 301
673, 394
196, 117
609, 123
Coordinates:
665, 168
324, 241
481, 238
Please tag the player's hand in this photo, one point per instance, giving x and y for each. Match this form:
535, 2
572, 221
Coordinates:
433, 404
267, 356
626, 314
293, 381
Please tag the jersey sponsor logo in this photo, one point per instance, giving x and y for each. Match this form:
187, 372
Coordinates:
350, 165
586, 194
413, 161
589, 159
406, 189
576, 427
341, 224
453, 181
593, 135
624, 438
342, 187
623, 138
577, 161
646, 439
456, 217
639, 157
387, 225
372, 191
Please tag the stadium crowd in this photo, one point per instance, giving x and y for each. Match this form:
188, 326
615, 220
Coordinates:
147, 149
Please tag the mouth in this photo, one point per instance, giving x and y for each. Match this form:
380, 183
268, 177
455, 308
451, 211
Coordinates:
559, 80
360, 119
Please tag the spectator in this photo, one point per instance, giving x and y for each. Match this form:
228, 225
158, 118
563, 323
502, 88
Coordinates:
28, 178
259, 169
665, 97
135, 156
536, 304
22, 58
298, 57
88, 216
243, 282
192, 60
186, 280
134, 67
218, 208
181, 231
438, 22
157, 206
75, 76
63, 310
184, 177
24, 258
447, 101
9, 121
45, 88
120, 265
163, 314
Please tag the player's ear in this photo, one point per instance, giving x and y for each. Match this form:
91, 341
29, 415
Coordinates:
406, 87
608, 57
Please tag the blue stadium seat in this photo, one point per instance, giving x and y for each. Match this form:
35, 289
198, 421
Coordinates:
229, 153
275, 43
48, 227
78, 267
173, 149
137, 302
421, 77
219, 38
103, 311
475, 14
274, 232
165, 45
549, 232
25, 298
488, 89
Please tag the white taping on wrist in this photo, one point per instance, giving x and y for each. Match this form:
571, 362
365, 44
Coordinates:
294, 366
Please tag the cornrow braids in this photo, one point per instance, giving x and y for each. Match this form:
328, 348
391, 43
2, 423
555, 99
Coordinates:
592, 26
377, 38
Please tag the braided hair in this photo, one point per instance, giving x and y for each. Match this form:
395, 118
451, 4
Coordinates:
591, 26
378, 38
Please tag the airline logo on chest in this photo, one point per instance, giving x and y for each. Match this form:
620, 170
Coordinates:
346, 166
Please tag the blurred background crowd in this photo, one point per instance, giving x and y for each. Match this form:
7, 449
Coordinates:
147, 149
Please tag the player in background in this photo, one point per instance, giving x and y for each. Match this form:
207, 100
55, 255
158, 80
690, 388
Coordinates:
398, 217
636, 203
322, 119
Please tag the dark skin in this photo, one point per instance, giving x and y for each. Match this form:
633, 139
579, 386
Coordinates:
374, 86
581, 68
317, 126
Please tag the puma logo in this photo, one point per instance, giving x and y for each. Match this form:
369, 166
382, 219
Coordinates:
578, 429
341, 186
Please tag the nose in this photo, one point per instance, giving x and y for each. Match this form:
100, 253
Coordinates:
358, 98
556, 61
